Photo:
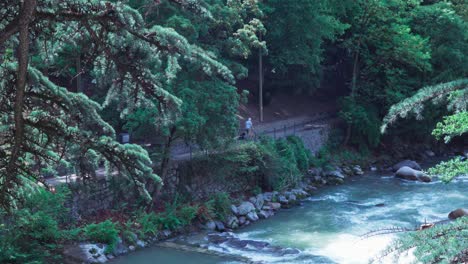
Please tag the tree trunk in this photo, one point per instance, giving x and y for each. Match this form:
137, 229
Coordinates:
166, 160
25, 17
353, 91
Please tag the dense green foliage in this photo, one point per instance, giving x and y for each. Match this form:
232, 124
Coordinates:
76, 73
441, 243
454, 94
32, 233
296, 34
268, 164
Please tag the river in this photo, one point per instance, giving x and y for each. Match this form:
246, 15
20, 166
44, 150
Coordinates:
327, 227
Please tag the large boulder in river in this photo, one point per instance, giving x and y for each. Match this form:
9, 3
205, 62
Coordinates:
408, 173
406, 163
457, 213
245, 208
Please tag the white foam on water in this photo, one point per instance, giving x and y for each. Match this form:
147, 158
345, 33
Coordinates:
255, 255
338, 197
350, 249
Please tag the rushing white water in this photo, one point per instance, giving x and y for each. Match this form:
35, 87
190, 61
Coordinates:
328, 227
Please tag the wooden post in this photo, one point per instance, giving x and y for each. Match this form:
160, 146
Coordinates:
260, 76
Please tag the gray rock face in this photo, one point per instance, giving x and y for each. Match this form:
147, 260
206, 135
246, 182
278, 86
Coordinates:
220, 226
299, 193
234, 210
210, 225
166, 233
357, 170
348, 171
408, 173
268, 196
282, 199
259, 201
263, 214
275, 206
334, 181
458, 213
335, 174
120, 248
141, 243
232, 222
406, 163
292, 198
242, 220
86, 253
252, 216
315, 171
245, 208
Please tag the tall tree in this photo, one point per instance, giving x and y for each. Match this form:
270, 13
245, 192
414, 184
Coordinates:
383, 54
297, 32
42, 123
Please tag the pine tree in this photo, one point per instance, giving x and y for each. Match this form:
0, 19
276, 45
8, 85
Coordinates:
43, 123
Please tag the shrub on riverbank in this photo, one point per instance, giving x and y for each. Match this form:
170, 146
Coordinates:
33, 231
266, 163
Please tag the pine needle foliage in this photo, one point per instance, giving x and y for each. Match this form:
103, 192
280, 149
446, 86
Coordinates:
444, 243
43, 123
436, 93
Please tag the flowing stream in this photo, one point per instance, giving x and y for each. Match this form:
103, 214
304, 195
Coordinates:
327, 228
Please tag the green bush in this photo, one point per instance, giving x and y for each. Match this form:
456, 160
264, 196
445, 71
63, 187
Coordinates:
301, 153
284, 162
221, 205
31, 233
186, 214
169, 221
267, 163
105, 232
48, 172
129, 237
149, 224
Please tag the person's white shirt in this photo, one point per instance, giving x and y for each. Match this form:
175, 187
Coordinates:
248, 124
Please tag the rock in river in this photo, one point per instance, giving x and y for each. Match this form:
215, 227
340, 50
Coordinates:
406, 163
408, 173
457, 213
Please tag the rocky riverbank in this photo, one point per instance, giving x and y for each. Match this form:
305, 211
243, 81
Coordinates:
249, 210
243, 213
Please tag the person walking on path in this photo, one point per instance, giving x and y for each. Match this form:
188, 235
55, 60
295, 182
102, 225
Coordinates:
248, 127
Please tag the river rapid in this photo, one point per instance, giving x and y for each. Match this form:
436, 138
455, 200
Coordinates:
328, 227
